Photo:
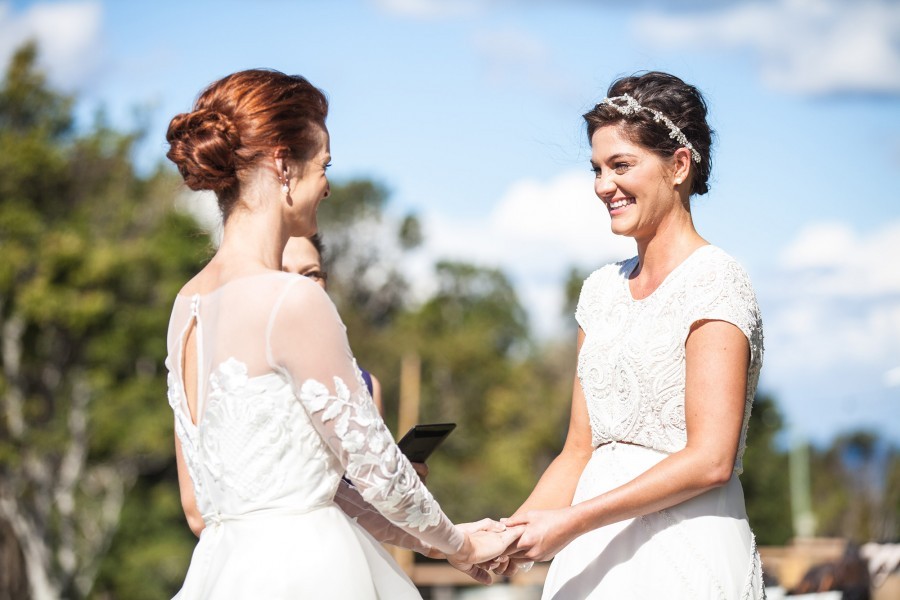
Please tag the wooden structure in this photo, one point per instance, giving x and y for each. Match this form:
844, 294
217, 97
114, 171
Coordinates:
443, 575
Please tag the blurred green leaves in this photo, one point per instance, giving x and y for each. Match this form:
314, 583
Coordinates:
93, 254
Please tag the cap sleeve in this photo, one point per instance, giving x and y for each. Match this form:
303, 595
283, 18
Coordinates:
720, 290
598, 290
307, 343
587, 301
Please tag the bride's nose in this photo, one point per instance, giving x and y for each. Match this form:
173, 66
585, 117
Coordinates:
604, 187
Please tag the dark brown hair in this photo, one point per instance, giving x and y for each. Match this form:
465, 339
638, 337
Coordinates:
682, 103
240, 119
317, 243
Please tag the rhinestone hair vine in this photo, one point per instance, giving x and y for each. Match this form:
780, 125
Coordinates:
627, 105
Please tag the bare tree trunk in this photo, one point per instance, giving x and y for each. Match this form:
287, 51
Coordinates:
111, 484
37, 555
13, 581
12, 358
60, 512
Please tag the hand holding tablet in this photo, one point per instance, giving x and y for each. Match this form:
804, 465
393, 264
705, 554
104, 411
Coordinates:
420, 441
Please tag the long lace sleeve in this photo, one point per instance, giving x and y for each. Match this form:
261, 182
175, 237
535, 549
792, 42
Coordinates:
378, 526
307, 343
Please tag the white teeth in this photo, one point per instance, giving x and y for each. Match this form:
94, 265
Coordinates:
618, 204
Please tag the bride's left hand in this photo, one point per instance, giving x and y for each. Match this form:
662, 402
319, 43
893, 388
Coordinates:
479, 573
546, 533
504, 566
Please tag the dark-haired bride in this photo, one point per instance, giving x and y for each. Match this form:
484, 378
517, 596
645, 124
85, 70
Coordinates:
644, 501
287, 473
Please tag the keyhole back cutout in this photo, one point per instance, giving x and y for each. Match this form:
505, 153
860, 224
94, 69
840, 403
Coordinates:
189, 368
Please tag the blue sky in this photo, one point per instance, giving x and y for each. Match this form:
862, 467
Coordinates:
469, 111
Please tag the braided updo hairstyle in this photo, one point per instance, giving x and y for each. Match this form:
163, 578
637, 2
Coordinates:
682, 103
239, 120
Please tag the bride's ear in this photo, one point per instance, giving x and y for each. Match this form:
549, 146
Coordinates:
681, 166
280, 158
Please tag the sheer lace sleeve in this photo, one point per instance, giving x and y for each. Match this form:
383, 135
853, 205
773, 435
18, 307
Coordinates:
307, 343
378, 526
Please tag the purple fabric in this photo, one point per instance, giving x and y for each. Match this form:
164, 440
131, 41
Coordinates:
367, 377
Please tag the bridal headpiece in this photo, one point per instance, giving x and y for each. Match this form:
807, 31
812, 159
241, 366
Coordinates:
627, 105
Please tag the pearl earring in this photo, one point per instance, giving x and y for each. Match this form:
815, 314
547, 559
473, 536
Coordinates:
284, 188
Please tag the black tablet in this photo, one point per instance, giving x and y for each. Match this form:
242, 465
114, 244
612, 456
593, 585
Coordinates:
420, 441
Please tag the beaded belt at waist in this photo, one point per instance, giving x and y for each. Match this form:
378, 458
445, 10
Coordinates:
217, 518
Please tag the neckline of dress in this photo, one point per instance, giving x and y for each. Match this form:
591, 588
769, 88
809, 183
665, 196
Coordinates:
665, 280
228, 283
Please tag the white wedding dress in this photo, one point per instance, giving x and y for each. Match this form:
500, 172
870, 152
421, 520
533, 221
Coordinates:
282, 415
631, 368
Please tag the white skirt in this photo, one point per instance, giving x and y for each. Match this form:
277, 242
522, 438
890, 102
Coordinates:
701, 548
321, 554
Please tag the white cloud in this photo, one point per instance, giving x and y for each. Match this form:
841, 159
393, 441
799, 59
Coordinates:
814, 338
836, 303
806, 46
892, 377
535, 233
428, 9
67, 33
832, 260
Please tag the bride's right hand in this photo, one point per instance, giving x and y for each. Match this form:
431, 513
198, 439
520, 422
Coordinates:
481, 546
479, 573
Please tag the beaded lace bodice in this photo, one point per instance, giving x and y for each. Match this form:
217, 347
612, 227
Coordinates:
283, 414
632, 361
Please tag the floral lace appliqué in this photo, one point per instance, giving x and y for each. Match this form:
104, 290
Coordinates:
247, 430
384, 477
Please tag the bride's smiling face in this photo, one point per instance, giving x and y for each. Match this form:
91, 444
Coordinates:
633, 183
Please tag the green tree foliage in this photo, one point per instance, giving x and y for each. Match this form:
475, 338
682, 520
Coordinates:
572, 290
855, 483
892, 497
364, 249
480, 366
481, 369
364, 254
93, 255
765, 478
152, 547
854, 486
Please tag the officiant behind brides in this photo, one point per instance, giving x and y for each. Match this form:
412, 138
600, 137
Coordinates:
269, 406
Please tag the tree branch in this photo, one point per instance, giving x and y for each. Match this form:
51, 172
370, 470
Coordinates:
12, 332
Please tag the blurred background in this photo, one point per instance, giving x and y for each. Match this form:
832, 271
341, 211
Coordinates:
461, 225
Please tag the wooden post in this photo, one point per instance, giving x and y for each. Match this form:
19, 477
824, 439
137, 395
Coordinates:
410, 397
804, 519
410, 392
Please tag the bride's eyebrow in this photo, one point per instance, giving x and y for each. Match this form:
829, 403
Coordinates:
613, 158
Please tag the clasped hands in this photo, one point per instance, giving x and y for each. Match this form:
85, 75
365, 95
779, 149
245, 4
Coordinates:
513, 544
